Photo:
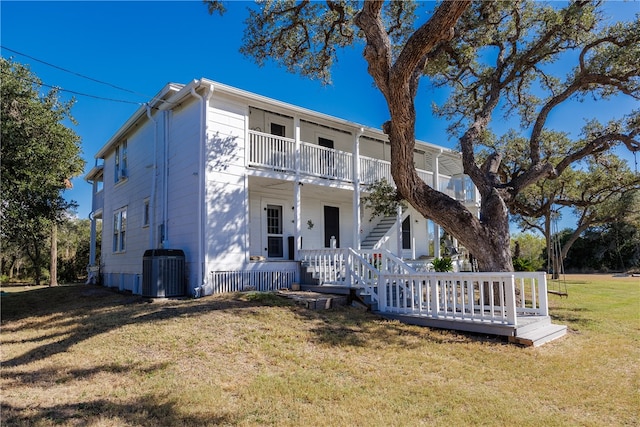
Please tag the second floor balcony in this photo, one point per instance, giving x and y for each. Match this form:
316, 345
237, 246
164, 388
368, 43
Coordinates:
279, 154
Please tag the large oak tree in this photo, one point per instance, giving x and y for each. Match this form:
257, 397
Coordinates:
494, 56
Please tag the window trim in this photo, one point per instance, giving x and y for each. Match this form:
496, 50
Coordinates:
120, 162
146, 212
405, 229
119, 244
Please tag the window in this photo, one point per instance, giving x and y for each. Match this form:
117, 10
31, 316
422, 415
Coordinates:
275, 241
145, 213
406, 233
277, 129
119, 229
327, 157
121, 162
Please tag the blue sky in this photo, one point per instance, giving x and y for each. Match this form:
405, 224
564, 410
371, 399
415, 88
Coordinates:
143, 45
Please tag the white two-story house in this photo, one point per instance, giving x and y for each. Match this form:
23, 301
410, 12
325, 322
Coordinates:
241, 183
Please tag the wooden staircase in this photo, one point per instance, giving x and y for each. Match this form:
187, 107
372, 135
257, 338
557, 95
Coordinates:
378, 232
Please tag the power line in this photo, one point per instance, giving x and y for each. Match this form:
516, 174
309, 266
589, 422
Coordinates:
76, 74
39, 83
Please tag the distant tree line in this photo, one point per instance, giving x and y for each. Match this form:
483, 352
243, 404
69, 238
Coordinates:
611, 247
73, 240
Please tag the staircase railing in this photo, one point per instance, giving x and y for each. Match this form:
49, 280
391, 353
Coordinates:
328, 265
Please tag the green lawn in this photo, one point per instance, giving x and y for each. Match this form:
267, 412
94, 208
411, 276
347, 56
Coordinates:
84, 355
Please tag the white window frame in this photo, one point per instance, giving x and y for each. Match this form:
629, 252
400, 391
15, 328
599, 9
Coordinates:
146, 212
119, 230
120, 171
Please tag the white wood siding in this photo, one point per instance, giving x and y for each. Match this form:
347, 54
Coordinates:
121, 268
182, 163
227, 221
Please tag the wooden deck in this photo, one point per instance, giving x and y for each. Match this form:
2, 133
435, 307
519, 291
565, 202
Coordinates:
529, 330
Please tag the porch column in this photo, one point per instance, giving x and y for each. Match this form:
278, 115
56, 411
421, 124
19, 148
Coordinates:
399, 231
92, 241
356, 189
436, 186
296, 191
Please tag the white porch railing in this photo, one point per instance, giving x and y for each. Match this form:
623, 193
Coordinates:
279, 154
272, 151
373, 170
325, 162
397, 288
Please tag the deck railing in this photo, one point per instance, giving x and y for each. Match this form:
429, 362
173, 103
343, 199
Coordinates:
279, 154
326, 162
272, 151
465, 296
397, 288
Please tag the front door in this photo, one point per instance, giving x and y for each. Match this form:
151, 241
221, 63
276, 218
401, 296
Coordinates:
275, 238
331, 225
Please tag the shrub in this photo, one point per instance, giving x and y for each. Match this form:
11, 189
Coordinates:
443, 264
522, 264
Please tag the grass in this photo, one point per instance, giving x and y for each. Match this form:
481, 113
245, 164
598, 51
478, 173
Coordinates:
84, 355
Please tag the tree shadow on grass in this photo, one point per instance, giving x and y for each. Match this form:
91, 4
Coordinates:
144, 411
573, 317
85, 311
50, 376
349, 326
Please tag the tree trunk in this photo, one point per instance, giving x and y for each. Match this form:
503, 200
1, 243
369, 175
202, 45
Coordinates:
53, 268
487, 238
36, 260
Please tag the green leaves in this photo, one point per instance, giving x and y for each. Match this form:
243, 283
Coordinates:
383, 199
39, 157
303, 36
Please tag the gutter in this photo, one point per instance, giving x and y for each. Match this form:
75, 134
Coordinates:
204, 101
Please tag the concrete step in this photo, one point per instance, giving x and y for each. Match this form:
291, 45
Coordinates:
531, 323
539, 336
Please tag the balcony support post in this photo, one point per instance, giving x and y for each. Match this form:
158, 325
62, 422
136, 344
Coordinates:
297, 196
356, 188
92, 241
436, 186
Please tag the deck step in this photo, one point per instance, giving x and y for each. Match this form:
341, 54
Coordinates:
539, 336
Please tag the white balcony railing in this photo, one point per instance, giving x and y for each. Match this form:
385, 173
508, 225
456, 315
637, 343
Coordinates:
325, 162
272, 151
279, 154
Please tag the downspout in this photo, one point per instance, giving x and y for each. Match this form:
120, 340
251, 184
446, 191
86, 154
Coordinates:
152, 197
165, 181
201, 205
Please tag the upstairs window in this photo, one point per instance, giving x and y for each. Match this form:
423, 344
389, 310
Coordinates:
119, 230
121, 162
278, 129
